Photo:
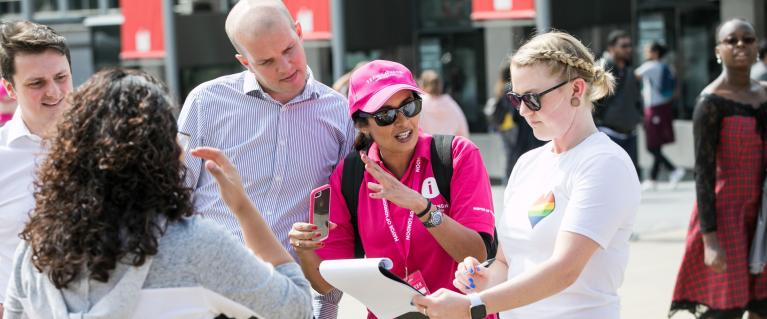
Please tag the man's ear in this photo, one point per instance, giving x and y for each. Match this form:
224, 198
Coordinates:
299, 31
240, 58
8, 88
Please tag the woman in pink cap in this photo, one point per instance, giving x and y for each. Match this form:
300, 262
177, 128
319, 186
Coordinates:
401, 213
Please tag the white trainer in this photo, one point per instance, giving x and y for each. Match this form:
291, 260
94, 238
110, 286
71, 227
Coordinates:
649, 185
675, 177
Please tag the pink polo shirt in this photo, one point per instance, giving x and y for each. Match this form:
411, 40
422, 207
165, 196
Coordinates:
471, 205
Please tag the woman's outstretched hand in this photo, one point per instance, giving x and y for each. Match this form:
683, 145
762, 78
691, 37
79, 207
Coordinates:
226, 175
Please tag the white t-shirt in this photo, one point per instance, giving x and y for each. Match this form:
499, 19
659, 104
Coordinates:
651, 73
591, 190
20, 153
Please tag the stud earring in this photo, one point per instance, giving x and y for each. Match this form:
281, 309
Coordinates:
574, 101
718, 59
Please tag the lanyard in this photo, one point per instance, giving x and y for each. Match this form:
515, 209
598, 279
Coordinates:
404, 252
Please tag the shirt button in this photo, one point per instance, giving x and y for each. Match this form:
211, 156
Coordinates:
282, 143
278, 178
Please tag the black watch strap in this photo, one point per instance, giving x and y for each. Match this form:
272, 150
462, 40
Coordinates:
477, 308
425, 211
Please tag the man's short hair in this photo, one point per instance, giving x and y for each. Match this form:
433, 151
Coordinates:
24, 37
233, 19
615, 35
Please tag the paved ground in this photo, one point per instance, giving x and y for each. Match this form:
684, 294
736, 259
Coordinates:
655, 254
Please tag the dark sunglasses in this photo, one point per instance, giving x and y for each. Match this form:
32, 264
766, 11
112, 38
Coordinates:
387, 117
734, 41
532, 100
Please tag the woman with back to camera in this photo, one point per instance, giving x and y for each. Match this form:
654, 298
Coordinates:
113, 221
730, 161
658, 87
569, 207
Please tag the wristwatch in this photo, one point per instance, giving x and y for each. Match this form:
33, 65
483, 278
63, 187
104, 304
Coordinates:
477, 310
434, 219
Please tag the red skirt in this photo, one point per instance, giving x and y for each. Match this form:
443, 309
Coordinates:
658, 125
740, 159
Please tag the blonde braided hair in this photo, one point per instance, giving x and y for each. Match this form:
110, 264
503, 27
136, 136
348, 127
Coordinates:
567, 58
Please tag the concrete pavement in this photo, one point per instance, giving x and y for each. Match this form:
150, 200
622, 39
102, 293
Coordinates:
656, 252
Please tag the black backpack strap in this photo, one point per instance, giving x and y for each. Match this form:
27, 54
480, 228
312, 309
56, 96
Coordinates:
351, 180
442, 167
442, 162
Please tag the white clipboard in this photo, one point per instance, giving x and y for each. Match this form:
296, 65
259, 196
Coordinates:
370, 281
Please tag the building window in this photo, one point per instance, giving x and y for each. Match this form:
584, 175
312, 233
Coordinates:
46, 5
10, 6
83, 4
444, 13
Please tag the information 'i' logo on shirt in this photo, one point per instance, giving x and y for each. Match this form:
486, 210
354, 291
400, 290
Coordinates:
429, 188
541, 208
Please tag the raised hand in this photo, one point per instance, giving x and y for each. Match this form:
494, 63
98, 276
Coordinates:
391, 189
226, 175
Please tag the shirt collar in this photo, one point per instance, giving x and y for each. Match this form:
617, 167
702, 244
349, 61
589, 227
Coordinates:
250, 86
422, 150
17, 129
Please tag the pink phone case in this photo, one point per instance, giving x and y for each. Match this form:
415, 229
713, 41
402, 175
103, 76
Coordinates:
312, 196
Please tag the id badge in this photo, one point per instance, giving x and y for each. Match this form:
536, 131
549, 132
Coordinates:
416, 280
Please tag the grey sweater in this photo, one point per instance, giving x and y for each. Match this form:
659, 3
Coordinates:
192, 253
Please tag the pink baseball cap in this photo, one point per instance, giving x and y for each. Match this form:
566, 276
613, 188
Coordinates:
375, 82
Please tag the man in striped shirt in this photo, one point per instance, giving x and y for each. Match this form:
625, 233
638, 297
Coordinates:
283, 130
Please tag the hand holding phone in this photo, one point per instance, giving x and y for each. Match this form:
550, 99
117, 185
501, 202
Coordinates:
319, 210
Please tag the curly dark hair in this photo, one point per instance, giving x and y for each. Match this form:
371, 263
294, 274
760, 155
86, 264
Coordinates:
112, 180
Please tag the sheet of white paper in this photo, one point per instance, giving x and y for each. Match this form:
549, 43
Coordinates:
363, 280
188, 303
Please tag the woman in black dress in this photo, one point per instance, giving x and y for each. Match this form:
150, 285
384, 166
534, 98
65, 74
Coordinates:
730, 161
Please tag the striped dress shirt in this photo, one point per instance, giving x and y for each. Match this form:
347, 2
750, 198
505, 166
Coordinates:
281, 151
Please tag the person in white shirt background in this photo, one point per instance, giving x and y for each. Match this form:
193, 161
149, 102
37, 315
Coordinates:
658, 88
35, 70
569, 207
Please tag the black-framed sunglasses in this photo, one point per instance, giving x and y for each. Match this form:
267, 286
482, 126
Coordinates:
388, 116
733, 41
532, 100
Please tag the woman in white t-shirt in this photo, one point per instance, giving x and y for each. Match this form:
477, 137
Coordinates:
569, 207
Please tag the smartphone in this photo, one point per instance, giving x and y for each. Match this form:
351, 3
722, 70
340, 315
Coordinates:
319, 209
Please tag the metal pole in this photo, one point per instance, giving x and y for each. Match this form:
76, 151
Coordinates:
63, 7
27, 9
338, 40
171, 63
542, 16
103, 6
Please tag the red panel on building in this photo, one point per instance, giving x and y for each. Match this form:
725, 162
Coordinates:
314, 16
141, 34
502, 9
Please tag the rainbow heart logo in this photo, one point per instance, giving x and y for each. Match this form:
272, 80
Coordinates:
541, 208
